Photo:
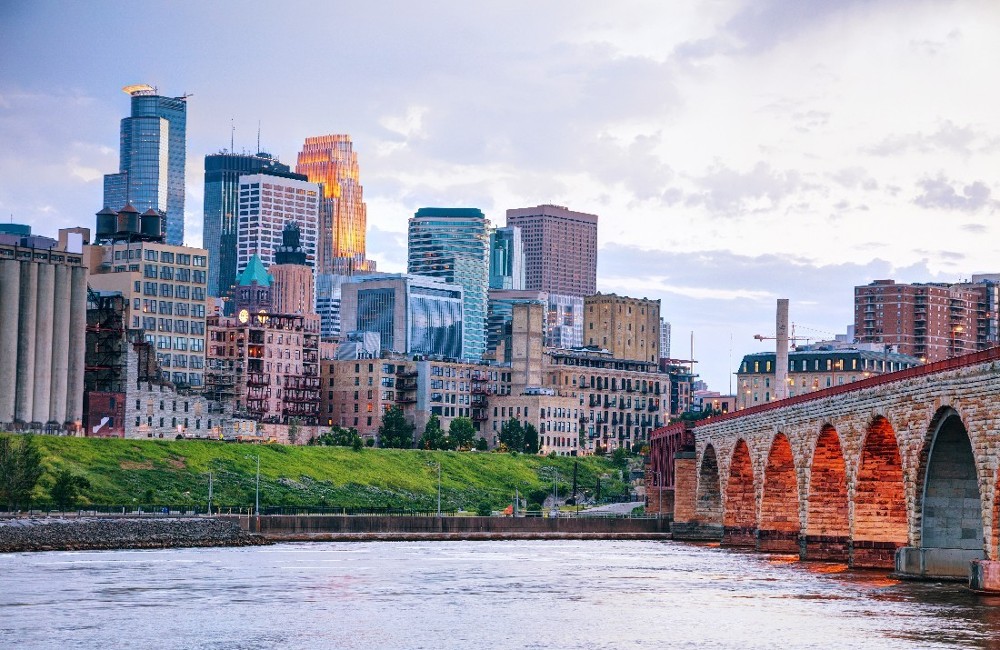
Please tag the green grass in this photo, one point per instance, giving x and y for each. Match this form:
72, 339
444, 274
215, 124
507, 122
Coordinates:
176, 472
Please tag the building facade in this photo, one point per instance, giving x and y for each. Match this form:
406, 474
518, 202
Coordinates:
152, 159
560, 249
266, 204
928, 321
453, 244
292, 287
812, 370
629, 328
499, 318
221, 211
555, 417
331, 161
166, 293
664, 339
412, 314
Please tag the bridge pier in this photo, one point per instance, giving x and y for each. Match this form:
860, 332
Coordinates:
984, 576
739, 536
872, 555
777, 541
831, 548
939, 563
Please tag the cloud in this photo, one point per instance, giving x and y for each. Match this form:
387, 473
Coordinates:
939, 193
730, 192
763, 25
962, 140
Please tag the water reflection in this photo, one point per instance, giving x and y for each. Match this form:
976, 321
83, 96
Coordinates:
565, 594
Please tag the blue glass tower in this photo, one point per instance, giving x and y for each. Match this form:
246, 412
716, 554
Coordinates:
151, 167
506, 259
222, 193
453, 244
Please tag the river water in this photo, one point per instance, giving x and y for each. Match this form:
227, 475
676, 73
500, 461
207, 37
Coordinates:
549, 594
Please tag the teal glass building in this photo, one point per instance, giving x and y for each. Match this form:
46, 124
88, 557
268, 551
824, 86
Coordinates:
453, 244
151, 164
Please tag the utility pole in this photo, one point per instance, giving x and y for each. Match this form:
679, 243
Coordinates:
257, 499
439, 488
517, 500
210, 494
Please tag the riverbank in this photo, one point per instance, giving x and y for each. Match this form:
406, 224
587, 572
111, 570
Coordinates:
115, 533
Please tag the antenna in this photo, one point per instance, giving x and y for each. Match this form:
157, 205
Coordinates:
258, 136
232, 135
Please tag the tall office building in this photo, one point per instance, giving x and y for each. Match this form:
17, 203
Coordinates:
151, 167
411, 314
267, 203
560, 249
292, 291
628, 328
331, 161
506, 259
453, 244
664, 339
560, 258
222, 191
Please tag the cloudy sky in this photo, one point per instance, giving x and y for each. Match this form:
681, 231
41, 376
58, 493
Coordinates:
736, 152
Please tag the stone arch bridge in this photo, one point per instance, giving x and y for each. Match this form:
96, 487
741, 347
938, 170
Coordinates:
899, 470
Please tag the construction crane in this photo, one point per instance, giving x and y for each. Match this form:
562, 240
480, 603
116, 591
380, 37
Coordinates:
791, 339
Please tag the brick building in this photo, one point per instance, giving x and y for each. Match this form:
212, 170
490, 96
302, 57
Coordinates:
629, 328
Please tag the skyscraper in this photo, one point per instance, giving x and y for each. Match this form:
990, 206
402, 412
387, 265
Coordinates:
222, 190
453, 244
331, 161
506, 259
560, 249
266, 204
151, 165
560, 258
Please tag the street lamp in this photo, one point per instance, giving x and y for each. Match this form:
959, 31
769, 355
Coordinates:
257, 490
439, 487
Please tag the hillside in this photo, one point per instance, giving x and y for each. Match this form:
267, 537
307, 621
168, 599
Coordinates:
140, 472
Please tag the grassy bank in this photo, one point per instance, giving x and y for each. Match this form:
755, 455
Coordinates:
176, 472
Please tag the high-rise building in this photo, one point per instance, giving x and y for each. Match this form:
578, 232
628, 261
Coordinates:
331, 161
453, 244
564, 321
629, 328
266, 204
151, 167
411, 314
500, 315
664, 339
506, 259
928, 321
560, 249
221, 209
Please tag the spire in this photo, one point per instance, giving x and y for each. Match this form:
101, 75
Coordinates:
254, 272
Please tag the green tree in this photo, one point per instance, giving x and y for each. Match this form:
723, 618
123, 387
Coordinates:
530, 439
619, 458
20, 469
433, 437
482, 445
337, 437
294, 427
461, 433
66, 488
512, 435
395, 432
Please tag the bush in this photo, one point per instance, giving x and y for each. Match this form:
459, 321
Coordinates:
534, 506
484, 509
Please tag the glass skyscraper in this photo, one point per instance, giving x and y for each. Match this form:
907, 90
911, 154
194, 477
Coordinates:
506, 259
222, 192
151, 165
453, 244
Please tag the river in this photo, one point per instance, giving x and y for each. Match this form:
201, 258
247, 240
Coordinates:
547, 594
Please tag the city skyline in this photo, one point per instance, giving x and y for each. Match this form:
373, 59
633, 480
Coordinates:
697, 133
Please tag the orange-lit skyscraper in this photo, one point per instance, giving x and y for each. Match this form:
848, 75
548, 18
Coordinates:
331, 160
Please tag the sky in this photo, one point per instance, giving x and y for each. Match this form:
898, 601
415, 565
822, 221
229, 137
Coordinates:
736, 152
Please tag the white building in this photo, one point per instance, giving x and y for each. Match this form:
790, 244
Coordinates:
267, 203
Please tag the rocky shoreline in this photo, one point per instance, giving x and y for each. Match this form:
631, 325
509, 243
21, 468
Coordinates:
110, 533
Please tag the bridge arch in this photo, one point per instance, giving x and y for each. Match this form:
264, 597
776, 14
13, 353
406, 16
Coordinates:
709, 503
827, 520
740, 515
779, 509
950, 505
880, 515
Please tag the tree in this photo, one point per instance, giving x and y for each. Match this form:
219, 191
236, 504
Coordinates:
433, 437
337, 437
395, 432
461, 433
20, 469
512, 435
293, 430
482, 445
619, 458
66, 488
530, 439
